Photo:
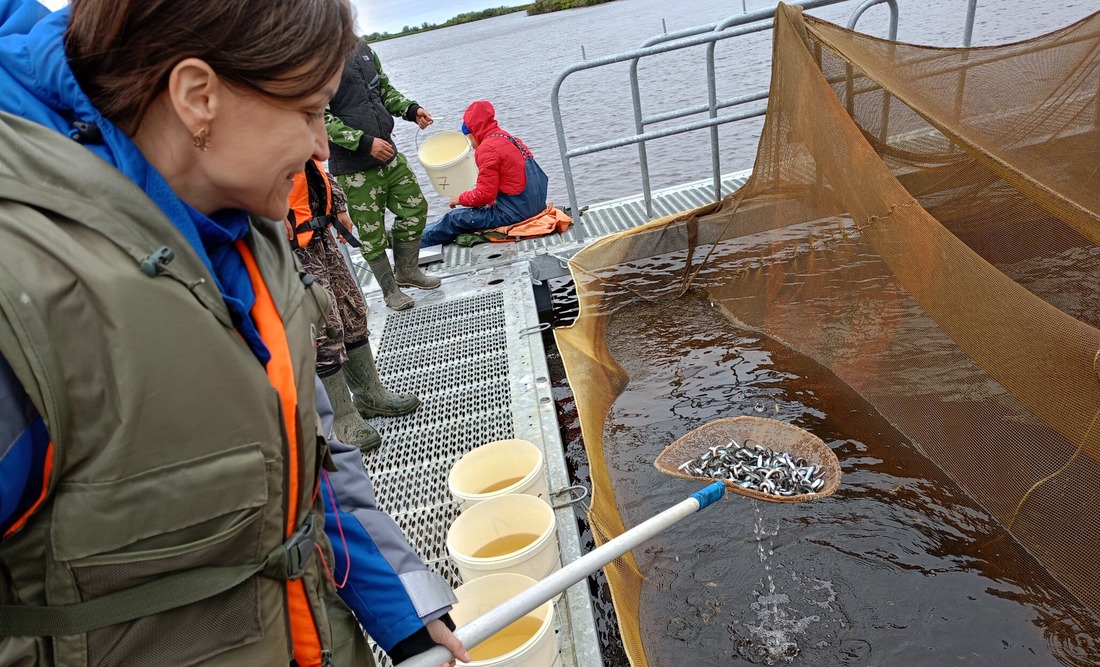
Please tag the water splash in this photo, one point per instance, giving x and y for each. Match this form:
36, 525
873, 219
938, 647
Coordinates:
773, 636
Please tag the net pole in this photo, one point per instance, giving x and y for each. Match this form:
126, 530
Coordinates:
492, 622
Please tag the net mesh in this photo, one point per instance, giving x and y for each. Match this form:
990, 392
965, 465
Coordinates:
953, 194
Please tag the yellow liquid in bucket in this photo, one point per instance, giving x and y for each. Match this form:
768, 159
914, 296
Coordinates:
442, 149
503, 546
508, 639
497, 486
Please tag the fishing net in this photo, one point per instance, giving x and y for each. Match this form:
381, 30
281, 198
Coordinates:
939, 208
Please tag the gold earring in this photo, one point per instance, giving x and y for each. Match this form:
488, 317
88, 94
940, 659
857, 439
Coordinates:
202, 140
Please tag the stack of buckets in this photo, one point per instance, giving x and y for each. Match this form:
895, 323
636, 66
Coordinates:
503, 542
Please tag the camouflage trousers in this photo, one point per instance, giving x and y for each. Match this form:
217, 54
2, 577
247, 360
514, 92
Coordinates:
392, 186
347, 317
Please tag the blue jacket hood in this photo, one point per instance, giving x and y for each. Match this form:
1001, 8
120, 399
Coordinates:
39, 85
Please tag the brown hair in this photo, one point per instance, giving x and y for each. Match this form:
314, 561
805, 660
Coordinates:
122, 51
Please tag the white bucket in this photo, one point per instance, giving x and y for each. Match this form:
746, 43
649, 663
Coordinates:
529, 642
496, 469
449, 161
513, 533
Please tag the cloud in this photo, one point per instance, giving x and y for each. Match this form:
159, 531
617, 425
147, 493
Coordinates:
393, 15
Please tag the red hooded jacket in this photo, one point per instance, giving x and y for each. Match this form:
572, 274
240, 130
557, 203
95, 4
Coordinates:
500, 165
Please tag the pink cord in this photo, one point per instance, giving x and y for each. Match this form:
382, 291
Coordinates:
343, 540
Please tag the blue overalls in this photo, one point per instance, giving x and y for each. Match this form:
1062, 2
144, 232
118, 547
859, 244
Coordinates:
507, 210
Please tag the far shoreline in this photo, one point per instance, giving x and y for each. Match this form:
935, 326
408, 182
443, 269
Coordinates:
534, 8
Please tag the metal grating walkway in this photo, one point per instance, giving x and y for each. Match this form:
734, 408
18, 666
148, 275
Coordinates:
453, 356
472, 352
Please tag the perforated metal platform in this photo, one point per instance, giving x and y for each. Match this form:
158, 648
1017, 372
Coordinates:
472, 352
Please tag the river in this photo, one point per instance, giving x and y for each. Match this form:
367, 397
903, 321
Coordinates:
513, 61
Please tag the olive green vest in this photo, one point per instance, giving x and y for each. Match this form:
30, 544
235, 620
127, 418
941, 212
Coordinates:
169, 454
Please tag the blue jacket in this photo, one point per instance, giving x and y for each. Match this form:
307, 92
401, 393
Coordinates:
386, 574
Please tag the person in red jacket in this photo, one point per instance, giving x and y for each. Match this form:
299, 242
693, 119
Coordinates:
511, 186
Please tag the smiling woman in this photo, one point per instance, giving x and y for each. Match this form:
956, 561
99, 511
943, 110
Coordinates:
164, 468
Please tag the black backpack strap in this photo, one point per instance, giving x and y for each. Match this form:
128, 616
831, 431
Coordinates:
346, 234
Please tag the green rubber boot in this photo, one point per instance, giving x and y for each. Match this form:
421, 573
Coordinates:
395, 298
406, 258
368, 396
348, 426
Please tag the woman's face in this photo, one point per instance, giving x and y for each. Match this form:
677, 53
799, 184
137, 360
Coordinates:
258, 144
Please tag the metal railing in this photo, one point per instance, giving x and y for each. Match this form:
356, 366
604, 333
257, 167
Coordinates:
709, 35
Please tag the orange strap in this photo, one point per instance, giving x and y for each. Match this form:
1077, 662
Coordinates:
280, 371
299, 201
299, 208
47, 468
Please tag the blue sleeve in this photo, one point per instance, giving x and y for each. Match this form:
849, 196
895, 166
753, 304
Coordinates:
24, 451
391, 591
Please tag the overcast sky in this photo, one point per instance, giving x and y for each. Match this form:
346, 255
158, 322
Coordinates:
392, 15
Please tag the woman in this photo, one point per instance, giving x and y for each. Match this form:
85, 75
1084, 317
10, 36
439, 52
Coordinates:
510, 186
163, 470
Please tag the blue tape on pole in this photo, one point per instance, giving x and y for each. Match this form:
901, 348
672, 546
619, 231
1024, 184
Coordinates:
710, 493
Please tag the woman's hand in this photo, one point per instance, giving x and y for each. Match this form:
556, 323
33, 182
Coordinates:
454, 201
442, 635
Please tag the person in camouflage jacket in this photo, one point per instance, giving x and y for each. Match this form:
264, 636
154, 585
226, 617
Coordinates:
375, 176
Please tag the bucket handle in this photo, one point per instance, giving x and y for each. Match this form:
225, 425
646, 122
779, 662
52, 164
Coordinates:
416, 137
577, 493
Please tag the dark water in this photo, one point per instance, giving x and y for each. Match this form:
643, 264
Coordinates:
899, 567
514, 60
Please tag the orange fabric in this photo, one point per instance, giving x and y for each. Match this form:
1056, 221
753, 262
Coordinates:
47, 468
280, 370
549, 221
299, 203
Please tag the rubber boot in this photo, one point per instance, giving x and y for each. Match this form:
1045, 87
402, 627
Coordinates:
406, 259
348, 426
368, 395
395, 298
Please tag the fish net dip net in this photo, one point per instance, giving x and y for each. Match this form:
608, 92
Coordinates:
917, 247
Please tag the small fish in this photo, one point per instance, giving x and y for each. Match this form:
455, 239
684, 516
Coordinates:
758, 468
